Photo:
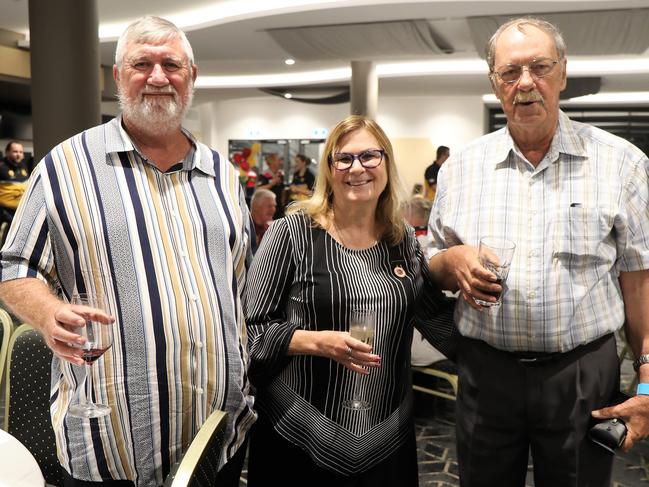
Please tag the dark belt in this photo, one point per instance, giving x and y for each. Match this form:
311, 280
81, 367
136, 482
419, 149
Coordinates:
532, 358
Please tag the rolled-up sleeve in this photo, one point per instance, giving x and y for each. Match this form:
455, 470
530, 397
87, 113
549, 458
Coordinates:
265, 298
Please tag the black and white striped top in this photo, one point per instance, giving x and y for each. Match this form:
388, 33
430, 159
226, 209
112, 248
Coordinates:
301, 278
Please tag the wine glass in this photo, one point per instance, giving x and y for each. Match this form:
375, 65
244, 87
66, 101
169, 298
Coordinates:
361, 326
99, 338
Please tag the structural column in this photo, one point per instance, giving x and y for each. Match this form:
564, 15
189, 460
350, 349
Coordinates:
364, 89
66, 93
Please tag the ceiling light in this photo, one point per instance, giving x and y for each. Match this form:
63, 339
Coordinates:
269, 80
454, 67
288, 96
289, 62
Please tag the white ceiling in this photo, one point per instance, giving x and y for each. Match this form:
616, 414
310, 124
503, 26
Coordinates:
229, 36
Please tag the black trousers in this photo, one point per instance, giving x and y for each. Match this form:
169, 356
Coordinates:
272, 460
228, 476
506, 407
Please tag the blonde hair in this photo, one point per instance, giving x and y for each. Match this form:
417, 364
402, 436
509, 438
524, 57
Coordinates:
388, 210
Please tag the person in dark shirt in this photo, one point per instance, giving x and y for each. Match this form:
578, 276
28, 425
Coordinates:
430, 175
303, 179
347, 247
14, 171
14, 166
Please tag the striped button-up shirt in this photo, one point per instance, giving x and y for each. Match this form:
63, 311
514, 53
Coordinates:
169, 251
578, 219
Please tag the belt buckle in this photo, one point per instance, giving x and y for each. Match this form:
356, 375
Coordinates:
530, 360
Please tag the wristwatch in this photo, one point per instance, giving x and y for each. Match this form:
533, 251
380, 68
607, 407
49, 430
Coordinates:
641, 360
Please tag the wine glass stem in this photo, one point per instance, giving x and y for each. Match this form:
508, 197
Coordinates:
357, 388
88, 383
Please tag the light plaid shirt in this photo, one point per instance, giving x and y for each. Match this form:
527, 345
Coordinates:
578, 220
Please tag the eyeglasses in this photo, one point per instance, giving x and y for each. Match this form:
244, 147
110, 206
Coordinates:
343, 161
538, 68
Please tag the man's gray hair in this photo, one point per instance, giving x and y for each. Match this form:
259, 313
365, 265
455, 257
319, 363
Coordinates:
520, 23
260, 195
154, 30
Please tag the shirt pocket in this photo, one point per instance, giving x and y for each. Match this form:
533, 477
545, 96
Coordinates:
579, 234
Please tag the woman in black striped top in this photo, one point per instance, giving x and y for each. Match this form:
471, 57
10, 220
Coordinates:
345, 248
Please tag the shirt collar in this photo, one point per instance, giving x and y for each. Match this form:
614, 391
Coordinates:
565, 141
118, 140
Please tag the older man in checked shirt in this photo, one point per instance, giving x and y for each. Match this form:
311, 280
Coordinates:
575, 200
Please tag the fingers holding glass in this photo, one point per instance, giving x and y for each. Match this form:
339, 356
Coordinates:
97, 339
362, 325
495, 255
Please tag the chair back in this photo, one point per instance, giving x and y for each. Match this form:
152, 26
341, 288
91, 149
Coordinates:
198, 467
437, 370
27, 413
6, 324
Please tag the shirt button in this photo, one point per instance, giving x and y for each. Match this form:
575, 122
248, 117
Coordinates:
199, 344
531, 295
199, 390
193, 297
533, 253
182, 253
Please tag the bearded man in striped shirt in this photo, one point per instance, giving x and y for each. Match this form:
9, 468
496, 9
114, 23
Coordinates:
139, 211
573, 199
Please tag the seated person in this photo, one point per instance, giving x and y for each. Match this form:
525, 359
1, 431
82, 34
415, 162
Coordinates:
272, 179
416, 212
262, 209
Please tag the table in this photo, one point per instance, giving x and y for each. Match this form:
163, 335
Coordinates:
18, 468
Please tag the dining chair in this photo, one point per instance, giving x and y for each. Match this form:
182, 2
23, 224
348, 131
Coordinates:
6, 324
27, 405
440, 370
198, 467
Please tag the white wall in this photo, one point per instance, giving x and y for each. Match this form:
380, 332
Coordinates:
450, 121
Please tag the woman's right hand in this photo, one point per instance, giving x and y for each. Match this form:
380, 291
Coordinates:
336, 345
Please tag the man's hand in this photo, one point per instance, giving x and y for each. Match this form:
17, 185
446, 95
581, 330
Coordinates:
635, 413
59, 329
474, 281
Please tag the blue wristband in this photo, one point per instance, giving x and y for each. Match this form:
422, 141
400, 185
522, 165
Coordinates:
643, 390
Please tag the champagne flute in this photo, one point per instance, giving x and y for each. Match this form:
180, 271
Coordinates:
99, 338
361, 326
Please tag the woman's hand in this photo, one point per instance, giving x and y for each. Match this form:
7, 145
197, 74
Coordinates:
336, 345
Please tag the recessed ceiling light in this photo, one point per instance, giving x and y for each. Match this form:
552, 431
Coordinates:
288, 96
289, 61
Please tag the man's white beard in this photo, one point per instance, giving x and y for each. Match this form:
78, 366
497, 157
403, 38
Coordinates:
155, 114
